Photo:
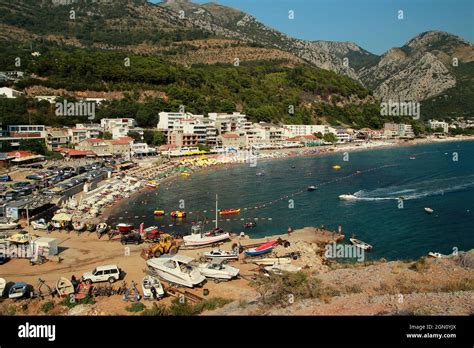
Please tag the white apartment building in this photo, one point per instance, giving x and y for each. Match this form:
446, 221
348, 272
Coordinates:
9, 93
295, 130
434, 124
142, 149
108, 124
122, 131
392, 130
167, 119
228, 122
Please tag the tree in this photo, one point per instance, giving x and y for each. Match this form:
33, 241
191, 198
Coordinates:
318, 135
107, 136
135, 135
37, 146
330, 138
154, 138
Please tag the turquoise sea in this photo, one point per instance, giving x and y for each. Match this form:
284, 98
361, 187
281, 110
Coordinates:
441, 177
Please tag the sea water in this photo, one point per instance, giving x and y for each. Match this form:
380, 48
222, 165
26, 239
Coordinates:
392, 191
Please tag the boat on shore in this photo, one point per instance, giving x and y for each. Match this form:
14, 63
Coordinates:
152, 184
8, 225
152, 288
261, 249
269, 261
280, 268
64, 287
347, 197
221, 254
436, 255
124, 227
176, 269
216, 269
3, 284
360, 244
200, 238
40, 224
18, 290
429, 210
231, 211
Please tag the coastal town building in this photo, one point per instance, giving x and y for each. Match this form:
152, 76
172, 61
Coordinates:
234, 140
57, 137
97, 146
398, 130
142, 149
435, 124
294, 130
9, 93
108, 124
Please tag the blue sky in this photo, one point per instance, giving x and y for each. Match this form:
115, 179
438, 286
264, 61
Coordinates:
372, 24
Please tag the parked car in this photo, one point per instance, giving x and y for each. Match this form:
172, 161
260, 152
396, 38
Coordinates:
34, 177
5, 178
20, 185
131, 238
80, 170
11, 195
109, 273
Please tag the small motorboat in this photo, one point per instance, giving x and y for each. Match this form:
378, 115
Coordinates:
18, 290
311, 188
412, 157
221, 254
78, 226
337, 166
360, 244
250, 224
159, 212
8, 225
152, 184
231, 211
40, 224
3, 284
101, 228
176, 269
178, 214
260, 250
152, 288
260, 174
216, 269
347, 197
124, 227
270, 261
64, 287
21, 237
429, 210
436, 255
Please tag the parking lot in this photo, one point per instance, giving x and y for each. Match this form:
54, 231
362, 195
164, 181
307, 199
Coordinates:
40, 183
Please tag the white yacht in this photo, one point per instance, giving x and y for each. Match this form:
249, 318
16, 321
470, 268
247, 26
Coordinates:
176, 269
216, 269
347, 197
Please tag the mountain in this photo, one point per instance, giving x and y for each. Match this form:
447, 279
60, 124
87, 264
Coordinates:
188, 33
421, 69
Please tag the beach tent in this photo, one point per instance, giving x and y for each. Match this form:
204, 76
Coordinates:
62, 217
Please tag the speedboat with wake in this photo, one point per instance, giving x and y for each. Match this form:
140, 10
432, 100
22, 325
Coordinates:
347, 197
176, 269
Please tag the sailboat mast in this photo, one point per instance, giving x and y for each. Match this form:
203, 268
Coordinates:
216, 210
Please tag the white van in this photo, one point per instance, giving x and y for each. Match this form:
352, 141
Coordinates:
109, 273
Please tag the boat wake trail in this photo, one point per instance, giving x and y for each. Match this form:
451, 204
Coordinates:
417, 190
